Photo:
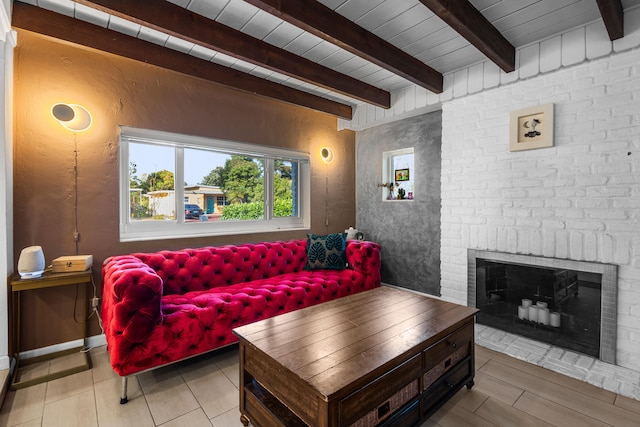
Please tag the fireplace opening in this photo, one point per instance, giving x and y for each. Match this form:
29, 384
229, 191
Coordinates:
564, 303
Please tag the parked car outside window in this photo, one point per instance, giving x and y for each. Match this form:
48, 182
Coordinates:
192, 211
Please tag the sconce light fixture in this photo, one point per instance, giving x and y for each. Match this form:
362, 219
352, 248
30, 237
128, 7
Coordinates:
327, 154
74, 117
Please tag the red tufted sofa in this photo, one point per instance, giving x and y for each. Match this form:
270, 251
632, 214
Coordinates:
162, 307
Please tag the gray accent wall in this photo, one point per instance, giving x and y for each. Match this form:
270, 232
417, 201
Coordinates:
408, 231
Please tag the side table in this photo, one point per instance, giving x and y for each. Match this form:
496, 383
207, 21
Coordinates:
77, 364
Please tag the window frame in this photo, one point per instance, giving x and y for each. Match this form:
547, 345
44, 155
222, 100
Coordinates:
178, 228
388, 171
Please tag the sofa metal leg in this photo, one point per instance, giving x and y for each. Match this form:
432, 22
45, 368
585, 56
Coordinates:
123, 396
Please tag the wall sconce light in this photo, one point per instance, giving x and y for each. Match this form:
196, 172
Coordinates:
74, 117
327, 154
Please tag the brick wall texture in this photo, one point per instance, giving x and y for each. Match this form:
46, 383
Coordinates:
579, 199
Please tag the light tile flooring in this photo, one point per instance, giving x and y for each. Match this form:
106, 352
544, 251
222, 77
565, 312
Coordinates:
204, 392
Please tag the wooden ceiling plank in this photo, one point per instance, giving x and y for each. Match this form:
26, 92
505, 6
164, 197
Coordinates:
613, 17
184, 24
463, 17
42, 21
316, 18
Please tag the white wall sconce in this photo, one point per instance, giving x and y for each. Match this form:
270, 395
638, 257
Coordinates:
73, 117
327, 154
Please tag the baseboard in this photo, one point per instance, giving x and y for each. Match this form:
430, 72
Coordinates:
414, 291
89, 342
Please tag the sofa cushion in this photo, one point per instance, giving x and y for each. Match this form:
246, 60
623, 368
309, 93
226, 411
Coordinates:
326, 252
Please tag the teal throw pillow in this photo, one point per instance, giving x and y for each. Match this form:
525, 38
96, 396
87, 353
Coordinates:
326, 252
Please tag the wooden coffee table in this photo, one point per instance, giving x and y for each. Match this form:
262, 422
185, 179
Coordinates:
380, 357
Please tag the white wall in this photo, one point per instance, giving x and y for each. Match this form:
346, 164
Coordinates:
579, 199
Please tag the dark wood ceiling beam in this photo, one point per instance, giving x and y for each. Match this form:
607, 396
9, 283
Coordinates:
613, 17
42, 21
184, 24
467, 21
317, 19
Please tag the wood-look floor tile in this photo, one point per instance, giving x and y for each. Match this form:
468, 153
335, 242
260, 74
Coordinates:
628, 403
428, 423
497, 389
228, 419
468, 399
229, 363
111, 413
68, 361
74, 411
564, 396
33, 423
33, 371
23, 405
548, 375
71, 385
480, 361
204, 391
553, 413
167, 394
101, 364
456, 416
213, 390
195, 418
506, 416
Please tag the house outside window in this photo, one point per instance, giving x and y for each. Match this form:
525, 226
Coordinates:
239, 187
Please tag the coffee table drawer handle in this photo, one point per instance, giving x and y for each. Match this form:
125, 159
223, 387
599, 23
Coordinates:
384, 409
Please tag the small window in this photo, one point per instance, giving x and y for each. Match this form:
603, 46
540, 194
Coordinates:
398, 175
224, 187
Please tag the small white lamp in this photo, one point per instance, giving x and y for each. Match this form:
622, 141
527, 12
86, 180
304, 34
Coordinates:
31, 262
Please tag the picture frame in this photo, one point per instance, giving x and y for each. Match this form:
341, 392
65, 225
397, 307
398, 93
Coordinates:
401, 175
531, 128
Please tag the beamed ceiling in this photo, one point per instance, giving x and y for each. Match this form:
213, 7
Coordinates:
328, 55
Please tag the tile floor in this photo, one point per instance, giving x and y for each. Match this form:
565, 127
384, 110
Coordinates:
203, 391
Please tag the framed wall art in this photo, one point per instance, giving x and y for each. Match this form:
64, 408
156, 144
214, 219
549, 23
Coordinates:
402, 174
531, 128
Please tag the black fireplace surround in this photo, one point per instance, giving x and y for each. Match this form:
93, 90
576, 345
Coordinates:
574, 301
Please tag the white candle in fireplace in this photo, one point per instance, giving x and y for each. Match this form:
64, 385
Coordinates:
533, 313
523, 313
555, 319
543, 315
526, 303
541, 304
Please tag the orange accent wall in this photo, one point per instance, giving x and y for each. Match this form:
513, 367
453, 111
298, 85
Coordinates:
119, 91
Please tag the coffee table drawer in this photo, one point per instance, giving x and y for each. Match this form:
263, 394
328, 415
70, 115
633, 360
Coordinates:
408, 416
379, 399
436, 395
458, 343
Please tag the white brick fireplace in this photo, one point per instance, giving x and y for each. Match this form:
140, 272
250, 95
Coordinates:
578, 200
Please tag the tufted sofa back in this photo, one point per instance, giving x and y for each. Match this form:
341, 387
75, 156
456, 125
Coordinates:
208, 267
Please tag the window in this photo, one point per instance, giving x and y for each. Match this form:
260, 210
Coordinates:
398, 174
175, 185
